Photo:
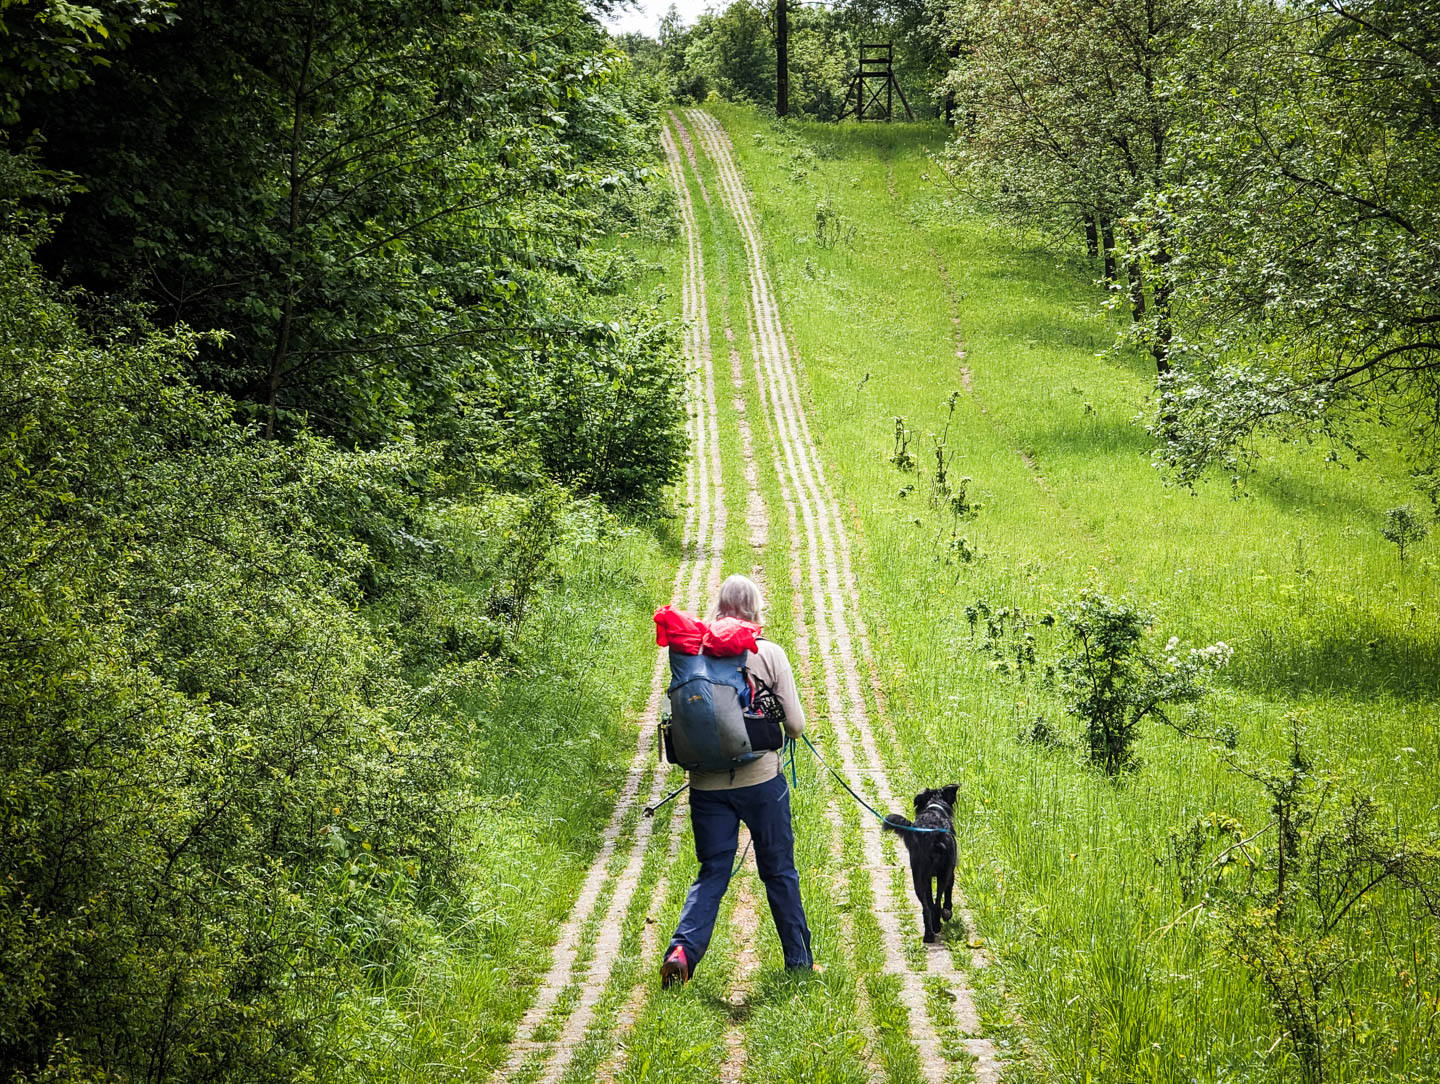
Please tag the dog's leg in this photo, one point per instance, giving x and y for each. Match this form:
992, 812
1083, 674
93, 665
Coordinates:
922, 892
947, 887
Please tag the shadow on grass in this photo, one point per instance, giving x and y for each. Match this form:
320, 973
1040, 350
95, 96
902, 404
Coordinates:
1357, 665
773, 987
1086, 435
1292, 494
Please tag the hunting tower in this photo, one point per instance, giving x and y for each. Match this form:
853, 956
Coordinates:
870, 96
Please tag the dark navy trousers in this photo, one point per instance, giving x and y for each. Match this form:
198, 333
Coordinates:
715, 816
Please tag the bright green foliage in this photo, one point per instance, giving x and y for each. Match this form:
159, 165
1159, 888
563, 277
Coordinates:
1115, 683
1310, 233
234, 787
1064, 120
1111, 679
1114, 973
732, 53
245, 681
1288, 901
221, 796
1070, 125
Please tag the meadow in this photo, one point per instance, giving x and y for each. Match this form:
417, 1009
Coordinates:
895, 296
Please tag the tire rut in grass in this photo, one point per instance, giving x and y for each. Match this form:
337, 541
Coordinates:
531, 1056
649, 950
833, 594
757, 519
745, 920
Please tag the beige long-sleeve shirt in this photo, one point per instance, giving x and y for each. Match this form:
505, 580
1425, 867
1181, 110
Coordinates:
771, 665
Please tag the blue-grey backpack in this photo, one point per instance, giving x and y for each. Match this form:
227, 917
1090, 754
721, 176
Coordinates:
707, 731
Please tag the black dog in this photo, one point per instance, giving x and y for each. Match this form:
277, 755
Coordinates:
932, 853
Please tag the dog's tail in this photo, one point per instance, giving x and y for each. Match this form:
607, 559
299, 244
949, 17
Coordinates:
894, 822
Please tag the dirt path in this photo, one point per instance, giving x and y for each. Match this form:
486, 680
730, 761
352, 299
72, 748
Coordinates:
703, 538
839, 630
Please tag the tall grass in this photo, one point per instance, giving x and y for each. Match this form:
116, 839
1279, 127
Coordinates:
558, 731
1067, 872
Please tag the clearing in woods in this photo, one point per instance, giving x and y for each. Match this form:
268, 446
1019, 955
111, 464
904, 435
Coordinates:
837, 312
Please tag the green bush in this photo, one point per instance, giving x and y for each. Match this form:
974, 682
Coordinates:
1114, 681
221, 799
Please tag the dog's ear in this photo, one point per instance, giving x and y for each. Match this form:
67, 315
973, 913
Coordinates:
923, 799
949, 793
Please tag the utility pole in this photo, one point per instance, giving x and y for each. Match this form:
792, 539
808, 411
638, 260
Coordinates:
782, 58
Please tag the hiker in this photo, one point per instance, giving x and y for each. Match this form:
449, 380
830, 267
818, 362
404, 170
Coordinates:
756, 793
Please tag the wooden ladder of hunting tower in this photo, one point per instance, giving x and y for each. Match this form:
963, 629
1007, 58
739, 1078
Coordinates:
872, 87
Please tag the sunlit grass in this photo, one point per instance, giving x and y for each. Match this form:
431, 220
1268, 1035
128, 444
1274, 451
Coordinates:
1065, 871
536, 827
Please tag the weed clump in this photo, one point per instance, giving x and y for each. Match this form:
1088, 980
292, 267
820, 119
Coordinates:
831, 227
1286, 900
902, 456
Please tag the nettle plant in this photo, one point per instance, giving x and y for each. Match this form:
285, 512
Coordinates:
948, 495
902, 456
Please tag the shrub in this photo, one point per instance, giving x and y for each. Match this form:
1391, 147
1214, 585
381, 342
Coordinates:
1115, 682
223, 802
1404, 527
1293, 913
614, 415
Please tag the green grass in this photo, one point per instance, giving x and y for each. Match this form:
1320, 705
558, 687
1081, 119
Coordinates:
566, 715
1064, 870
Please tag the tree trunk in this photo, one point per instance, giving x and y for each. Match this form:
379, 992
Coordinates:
1164, 329
287, 310
1092, 237
1107, 235
782, 59
953, 52
1137, 290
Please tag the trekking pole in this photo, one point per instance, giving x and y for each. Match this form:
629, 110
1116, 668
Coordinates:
650, 809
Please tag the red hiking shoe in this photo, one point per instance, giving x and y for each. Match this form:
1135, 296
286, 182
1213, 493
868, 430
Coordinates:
675, 970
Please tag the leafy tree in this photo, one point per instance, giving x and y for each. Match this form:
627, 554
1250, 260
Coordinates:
48, 46
822, 60
1309, 228
1071, 123
248, 572
735, 51
368, 196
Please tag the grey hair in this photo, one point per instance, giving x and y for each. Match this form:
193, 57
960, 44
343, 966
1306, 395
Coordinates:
739, 597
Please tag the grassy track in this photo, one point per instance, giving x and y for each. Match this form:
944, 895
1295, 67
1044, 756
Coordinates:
1066, 873
756, 495
805, 353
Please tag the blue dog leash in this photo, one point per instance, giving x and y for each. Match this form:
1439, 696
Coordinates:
841, 780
